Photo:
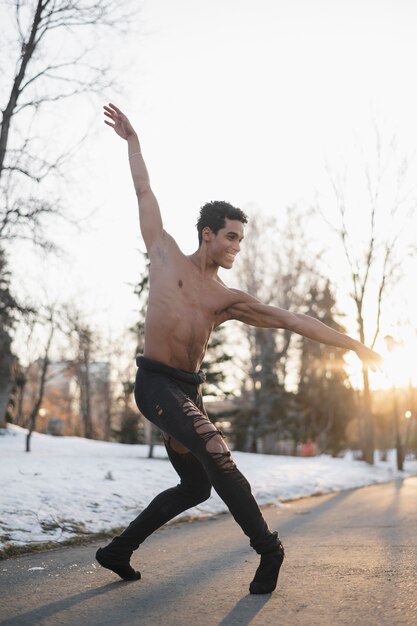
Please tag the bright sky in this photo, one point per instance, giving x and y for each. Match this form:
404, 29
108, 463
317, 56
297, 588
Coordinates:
237, 100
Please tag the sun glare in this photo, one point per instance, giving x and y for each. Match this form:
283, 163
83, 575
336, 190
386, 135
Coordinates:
399, 362
399, 369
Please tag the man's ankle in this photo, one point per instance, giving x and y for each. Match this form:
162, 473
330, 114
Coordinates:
266, 576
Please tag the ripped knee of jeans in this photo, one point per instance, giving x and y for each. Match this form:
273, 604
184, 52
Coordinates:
212, 437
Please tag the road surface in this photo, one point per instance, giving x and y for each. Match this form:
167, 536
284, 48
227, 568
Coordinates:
351, 558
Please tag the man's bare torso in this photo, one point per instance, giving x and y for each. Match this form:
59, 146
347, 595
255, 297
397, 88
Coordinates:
184, 307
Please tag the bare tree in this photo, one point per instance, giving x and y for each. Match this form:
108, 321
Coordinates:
73, 390
276, 266
53, 56
54, 51
90, 364
44, 361
84, 346
375, 249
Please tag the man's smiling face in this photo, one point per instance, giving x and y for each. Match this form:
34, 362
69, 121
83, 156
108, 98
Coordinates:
225, 244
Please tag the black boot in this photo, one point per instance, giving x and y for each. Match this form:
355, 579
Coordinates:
266, 575
116, 563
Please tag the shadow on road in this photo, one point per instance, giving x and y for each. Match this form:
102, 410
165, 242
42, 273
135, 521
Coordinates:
245, 610
49, 610
295, 523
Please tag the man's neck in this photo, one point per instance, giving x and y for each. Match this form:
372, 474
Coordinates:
206, 266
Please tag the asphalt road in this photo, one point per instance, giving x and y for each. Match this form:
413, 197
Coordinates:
351, 559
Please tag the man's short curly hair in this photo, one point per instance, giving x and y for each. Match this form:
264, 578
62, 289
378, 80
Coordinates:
214, 214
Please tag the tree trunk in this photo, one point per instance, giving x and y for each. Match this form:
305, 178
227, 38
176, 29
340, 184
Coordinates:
368, 422
397, 431
86, 400
35, 411
6, 360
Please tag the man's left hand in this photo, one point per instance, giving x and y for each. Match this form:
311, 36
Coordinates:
369, 357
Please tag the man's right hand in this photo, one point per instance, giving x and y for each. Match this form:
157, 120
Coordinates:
119, 121
149, 214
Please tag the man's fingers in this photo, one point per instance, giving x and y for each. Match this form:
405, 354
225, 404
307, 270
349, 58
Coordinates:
377, 366
113, 106
109, 123
110, 113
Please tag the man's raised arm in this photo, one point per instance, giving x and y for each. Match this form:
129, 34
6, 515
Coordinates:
251, 311
149, 213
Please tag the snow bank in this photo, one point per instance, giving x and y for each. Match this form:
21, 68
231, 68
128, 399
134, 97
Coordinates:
67, 486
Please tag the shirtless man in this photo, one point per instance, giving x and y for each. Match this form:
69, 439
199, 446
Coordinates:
187, 300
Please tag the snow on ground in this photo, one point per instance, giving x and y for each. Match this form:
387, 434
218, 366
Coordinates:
67, 486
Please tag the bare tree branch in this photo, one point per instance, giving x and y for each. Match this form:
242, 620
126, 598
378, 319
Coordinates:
37, 81
374, 264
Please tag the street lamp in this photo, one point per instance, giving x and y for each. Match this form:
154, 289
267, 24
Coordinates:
408, 415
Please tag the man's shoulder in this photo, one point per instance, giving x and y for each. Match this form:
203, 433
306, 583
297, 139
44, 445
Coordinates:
233, 300
219, 280
237, 295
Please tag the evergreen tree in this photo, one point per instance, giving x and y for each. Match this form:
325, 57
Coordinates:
141, 290
278, 263
325, 396
8, 312
263, 412
214, 361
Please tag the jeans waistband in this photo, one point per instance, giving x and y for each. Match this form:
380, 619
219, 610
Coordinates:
193, 378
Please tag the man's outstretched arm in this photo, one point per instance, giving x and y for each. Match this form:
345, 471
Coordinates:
149, 213
255, 313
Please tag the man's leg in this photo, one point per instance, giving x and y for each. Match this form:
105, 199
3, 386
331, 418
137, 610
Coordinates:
193, 489
208, 445
235, 491
167, 405
175, 413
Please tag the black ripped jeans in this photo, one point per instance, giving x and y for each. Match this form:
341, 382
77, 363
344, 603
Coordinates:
172, 400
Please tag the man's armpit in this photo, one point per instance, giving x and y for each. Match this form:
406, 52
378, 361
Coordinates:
164, 249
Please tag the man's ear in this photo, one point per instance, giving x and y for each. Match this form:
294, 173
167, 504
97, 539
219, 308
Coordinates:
207, 233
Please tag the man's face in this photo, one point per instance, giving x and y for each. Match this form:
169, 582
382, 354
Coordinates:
224, 246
